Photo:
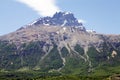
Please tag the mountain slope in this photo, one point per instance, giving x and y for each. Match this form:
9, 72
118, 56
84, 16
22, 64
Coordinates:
59, 43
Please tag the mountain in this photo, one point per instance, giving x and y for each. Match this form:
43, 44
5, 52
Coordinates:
60, 43
58, 19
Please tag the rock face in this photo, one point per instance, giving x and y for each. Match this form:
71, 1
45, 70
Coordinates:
59, 19
59, 43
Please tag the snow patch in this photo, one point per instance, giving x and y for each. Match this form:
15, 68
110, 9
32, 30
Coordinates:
46, 24
65, 21
57, 32
66, 13
91, 31
32, 23
64, 28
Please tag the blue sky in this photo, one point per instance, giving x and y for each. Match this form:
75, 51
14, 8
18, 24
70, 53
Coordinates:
102, 16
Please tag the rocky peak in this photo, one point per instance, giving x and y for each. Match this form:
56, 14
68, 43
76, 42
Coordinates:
59, 19
65, 19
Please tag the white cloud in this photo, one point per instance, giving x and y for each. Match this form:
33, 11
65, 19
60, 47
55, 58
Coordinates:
43, 7
81, 21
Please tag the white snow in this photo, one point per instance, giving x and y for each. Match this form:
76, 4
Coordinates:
66, 13
47, 20
64, 28
32, 23
65, 21
91, 31
57, 32
46, 24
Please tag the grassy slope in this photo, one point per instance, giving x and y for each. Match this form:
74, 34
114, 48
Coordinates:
46, 76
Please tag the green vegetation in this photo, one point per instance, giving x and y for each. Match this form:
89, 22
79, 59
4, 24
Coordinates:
79, 49
31, 75
7, 55
20, 63
46, 76
28, 55
101, 64
94, 56
31, 54
64, 52
52, 60
75, 64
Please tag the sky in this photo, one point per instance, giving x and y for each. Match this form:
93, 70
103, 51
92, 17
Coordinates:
103, 16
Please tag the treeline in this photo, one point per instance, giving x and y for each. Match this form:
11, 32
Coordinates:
46, 76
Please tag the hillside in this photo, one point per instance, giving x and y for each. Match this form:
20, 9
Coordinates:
60, 44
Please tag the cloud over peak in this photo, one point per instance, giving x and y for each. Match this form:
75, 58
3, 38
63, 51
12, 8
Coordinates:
43, 7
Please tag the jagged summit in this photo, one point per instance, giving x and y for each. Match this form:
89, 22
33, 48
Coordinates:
59, 19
